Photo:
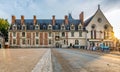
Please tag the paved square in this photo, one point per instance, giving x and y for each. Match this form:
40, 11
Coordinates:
19, 60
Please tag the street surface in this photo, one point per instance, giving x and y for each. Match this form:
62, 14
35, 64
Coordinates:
57, 60
70, 60
19, 60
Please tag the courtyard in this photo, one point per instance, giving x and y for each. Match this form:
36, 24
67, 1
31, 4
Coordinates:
57, 60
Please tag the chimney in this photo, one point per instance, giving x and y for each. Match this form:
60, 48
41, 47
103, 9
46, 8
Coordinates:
66, 19
22, 19
13, 19
82, 18
34, 21
53, 20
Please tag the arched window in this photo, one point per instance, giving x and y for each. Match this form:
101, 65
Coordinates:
76, 42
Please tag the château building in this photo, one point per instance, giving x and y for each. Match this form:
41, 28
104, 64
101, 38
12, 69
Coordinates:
61, 32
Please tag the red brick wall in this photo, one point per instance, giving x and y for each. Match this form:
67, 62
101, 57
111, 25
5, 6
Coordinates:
18, 38
10, 37
41, 38
33, 38
45, 38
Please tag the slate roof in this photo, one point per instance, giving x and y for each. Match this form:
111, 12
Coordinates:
43, 23
88, 21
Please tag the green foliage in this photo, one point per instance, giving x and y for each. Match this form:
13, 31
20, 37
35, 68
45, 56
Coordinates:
4, 25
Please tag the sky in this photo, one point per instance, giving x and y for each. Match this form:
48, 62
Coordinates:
44, 9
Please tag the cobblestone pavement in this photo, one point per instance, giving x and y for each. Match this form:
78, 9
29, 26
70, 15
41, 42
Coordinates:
19, 60
70, 60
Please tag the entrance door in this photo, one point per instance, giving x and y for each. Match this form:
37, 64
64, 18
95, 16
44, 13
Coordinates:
57, 45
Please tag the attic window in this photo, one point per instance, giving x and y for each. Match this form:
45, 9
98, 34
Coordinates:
79, 27
49, 27
14, 27
36, 27
72, 27
99, 20
93, 26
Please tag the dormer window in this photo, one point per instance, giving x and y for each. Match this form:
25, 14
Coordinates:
80, 27
49, 26
72, 27
63, 27
14, 27
36, 27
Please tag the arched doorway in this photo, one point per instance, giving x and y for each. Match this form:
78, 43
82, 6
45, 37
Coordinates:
57, 45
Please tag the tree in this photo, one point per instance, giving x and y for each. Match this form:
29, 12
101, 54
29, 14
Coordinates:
4, 25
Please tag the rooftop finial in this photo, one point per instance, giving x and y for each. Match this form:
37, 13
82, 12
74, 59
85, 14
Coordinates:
98, 6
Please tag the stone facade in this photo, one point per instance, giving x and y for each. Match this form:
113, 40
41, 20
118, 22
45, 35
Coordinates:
61, 32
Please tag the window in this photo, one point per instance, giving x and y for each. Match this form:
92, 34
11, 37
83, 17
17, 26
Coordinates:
106, 34
23, 28
23, 41
49, 27
50, 34
64, 42
14, 34
99, 20
36, 27
23, 34
37, 41
63, 27
14, 27
80, 34
63, 34
57, 38
76, 42
14, 41
93, 34
72, 34
93, 26
72, 27
28, 42
79, 27
50, 41
106, 27
36, 34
